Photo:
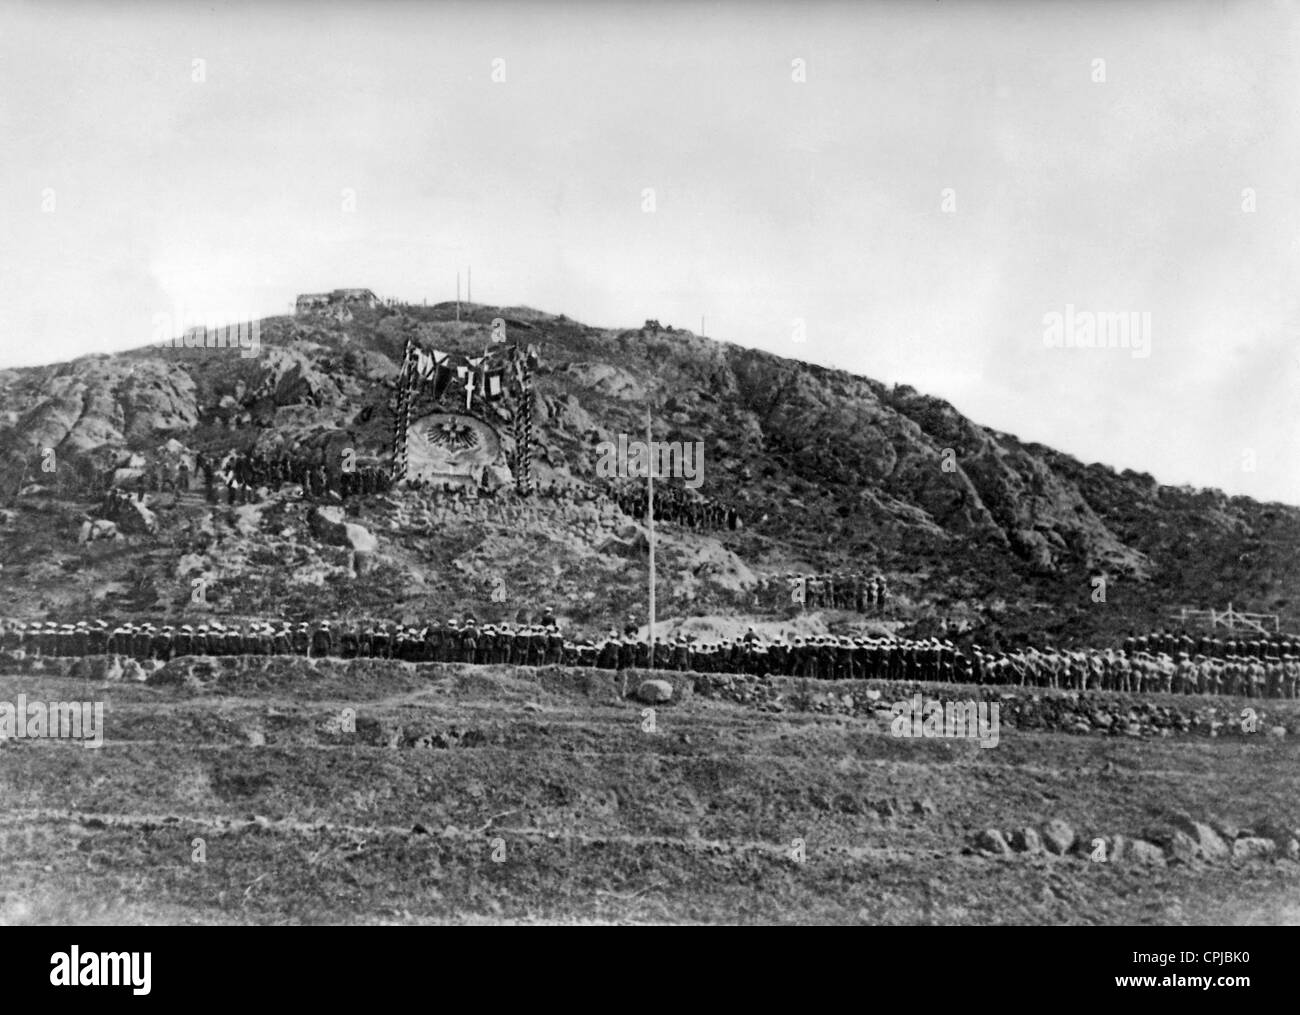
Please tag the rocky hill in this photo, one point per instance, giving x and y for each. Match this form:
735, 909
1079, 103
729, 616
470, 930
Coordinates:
1001, 538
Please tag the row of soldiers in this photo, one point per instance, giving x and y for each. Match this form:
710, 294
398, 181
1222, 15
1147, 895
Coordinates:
839, 591
673, 504
508, 507
826, 657
157, 477
1256, 646
243, 475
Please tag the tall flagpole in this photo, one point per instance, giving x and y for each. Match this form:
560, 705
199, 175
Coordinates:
650, 514
458, 296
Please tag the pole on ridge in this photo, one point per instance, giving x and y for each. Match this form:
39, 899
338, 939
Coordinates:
650, 519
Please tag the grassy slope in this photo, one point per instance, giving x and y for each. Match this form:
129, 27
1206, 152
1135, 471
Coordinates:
599, 820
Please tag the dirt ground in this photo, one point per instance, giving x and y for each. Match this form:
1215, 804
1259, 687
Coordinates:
456, 794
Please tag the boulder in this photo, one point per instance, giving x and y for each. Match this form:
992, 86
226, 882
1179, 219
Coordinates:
1253, 848
1058, 837
1274, 831
1208, 843
1177, 845
992, 842
96, 529
1143, 852
1026, 840
654, 692
628, 549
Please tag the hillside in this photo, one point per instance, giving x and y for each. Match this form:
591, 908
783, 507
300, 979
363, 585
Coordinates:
830, 471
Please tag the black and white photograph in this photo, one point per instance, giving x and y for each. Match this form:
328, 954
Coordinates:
683, 463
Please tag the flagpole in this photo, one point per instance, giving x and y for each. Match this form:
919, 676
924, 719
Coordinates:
650, 514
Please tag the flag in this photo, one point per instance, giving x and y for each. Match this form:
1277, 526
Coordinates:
441, 374
463, 376
495, 385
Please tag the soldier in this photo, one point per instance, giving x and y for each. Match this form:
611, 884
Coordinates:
80, 636
322, 640
97, 638
1255, 678
216, 639
199, 641
300, 640
469, 642
13, 635
607, 657
554, 642
350, 642
1228, 677
452, 641
366, 641
435, 641
183, 641
431, 636
626, 652
843, 655
282, 640
162, 643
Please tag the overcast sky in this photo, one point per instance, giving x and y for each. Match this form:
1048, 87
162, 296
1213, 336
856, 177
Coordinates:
942, 179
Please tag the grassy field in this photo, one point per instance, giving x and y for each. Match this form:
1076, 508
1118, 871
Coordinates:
501, 794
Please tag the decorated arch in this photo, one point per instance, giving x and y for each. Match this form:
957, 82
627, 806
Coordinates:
452, 411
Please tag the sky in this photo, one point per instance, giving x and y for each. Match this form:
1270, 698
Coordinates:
909, 191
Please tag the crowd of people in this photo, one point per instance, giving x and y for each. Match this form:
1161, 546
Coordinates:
244, 475
117, 503
676, 506
1250, 645
438, 503
1274, 674
238, 478
840, 591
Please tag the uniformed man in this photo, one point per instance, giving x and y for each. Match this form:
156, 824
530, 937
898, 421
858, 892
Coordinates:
350, 641
322, 640
554, 642
381, 641
142, 643
469, 642
282, 639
